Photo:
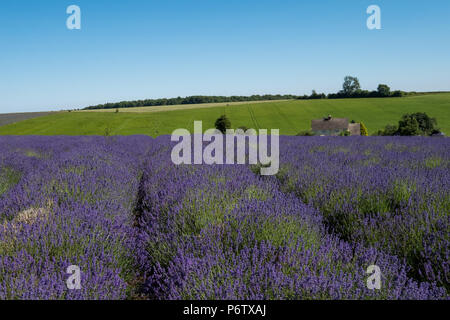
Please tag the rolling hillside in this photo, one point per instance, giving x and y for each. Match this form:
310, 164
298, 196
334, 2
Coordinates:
288, 116
8, 118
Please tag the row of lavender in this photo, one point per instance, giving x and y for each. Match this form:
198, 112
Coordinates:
137, 224
67, 201
222, 232
392, 194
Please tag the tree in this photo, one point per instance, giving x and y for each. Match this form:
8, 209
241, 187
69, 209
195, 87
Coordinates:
415, 124
315, 95
408, 126
426, 124
364, 131
397, 93
389, 130
222, 124
351, 85
418, 123
384, 90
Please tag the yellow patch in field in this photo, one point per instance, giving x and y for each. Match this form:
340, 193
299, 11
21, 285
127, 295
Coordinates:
10, 229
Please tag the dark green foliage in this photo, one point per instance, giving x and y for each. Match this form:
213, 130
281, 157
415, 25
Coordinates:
414, 124
315, 95
351, 85
398, 93
418, 123
384, 90
306, 133
222, 124
389, 130
351, 89
189, 100
426, 124
408, 126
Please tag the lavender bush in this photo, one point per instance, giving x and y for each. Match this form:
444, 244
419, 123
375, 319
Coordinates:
388, 193
71, 206
140, 227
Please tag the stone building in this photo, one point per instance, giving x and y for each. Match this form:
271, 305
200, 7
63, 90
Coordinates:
334, 126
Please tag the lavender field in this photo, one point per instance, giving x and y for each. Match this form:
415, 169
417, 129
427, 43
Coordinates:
140, 227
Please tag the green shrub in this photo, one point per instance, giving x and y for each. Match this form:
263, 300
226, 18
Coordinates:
389, 130
408, 126
222, 124
414, 124
306, 133
344, 133
364, 131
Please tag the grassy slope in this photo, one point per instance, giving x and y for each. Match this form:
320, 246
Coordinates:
288, 116
8, 118
181, 106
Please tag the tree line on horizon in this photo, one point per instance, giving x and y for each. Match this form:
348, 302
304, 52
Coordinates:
190, 100
350, 89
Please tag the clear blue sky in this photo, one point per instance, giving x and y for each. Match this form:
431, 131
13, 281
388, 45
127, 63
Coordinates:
135, 49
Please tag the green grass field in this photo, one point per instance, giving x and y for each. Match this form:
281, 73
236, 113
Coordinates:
290, 117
